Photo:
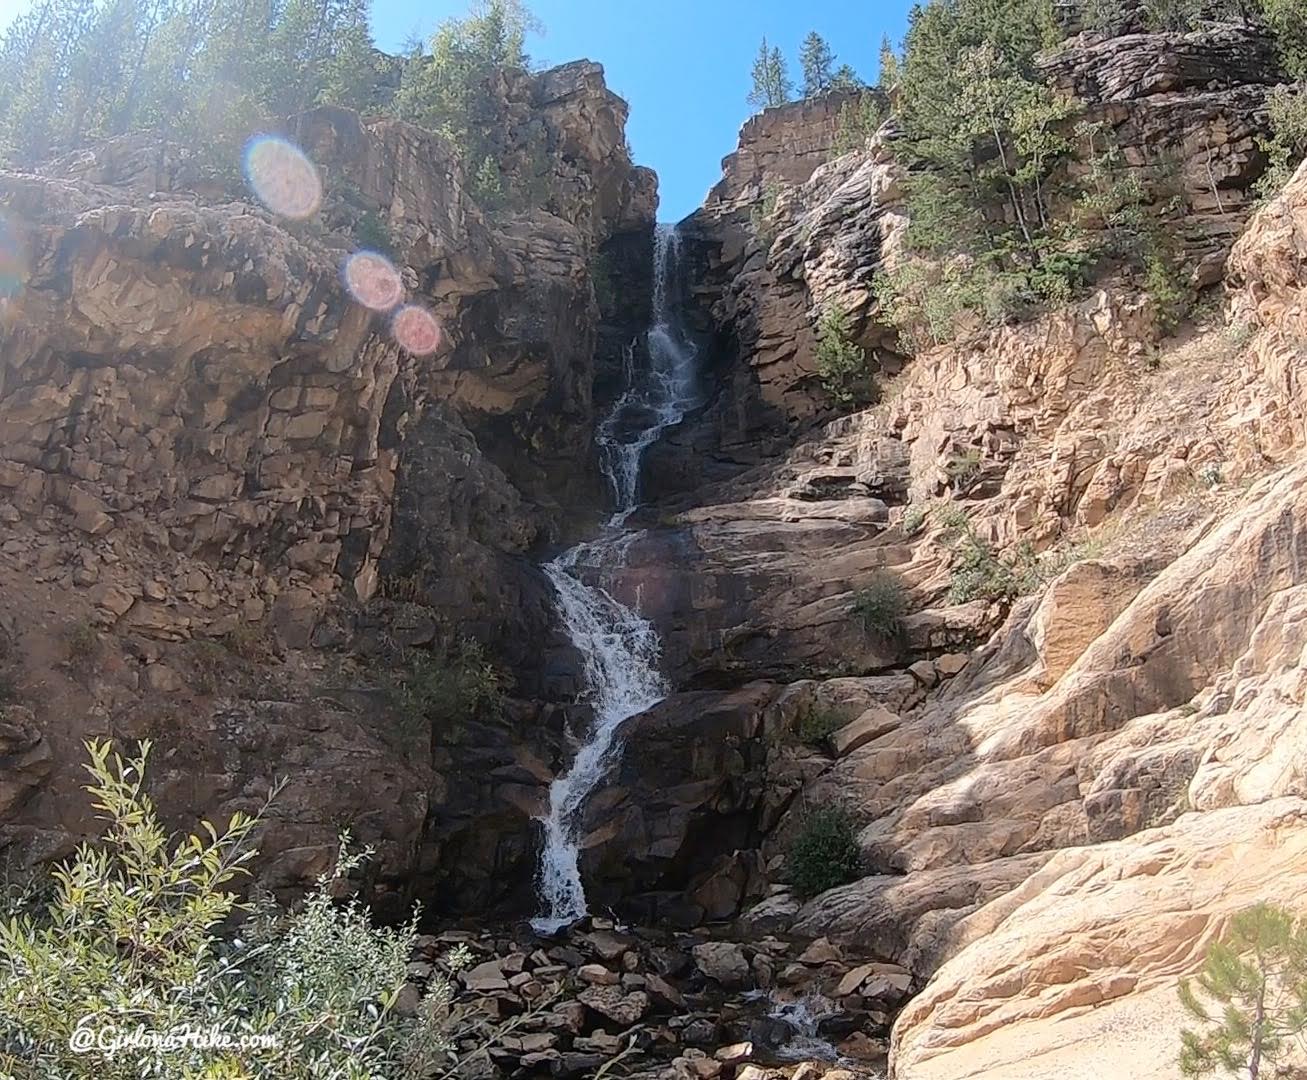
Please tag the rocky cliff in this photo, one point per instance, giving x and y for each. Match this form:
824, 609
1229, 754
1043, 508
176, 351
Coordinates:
211, 454
237, 510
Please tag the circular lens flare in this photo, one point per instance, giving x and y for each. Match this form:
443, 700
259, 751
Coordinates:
417, 330
373, 280
282, 177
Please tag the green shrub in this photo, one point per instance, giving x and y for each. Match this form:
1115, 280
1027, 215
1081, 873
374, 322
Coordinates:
763, 212
857, 122
139, 933
963, 467
1287, 110
914, 517
824, 853
443, 693
979, 574
951, 516
816, 725
880, 605
82, 640
841, 364
1164, 285
372, 231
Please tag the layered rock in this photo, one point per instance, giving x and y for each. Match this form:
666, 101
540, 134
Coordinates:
206, 438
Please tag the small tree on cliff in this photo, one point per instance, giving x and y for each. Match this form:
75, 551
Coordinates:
1257, 975
818, 63
771, 81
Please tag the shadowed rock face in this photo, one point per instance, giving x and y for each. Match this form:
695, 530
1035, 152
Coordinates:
203, 435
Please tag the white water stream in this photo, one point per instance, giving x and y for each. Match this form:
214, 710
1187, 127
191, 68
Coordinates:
620, 648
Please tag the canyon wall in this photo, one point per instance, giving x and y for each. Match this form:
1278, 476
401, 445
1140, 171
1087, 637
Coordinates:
218, 467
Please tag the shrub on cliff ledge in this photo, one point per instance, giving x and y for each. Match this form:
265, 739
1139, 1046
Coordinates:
880, 605
825, 852
841, 364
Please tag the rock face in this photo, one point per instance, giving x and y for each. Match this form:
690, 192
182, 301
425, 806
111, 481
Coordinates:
206, 438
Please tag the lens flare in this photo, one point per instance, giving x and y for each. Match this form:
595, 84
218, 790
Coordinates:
12, 263
282, 177
373, 280
417, 330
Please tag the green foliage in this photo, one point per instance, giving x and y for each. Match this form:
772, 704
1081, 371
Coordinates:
442, 693
857, 122
1287, 110
1000, 227
82, 640
824, 853
771, 81
914, 517
952, 517
880, 605
963, 467
1288, 20
1172, 14
204, 74
762, 213
449, 88
137, 932
817, 63
889, 65
1256, 976
841, 364
1170, 295
817, 725
979, 574
373, 232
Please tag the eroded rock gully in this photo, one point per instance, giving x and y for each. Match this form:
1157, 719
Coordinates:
211, 455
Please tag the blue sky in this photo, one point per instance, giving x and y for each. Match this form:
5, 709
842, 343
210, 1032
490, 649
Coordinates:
682, 64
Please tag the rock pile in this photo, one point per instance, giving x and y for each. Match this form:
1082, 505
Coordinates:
672, 1007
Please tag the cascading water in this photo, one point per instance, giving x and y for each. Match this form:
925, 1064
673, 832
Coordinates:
620, 648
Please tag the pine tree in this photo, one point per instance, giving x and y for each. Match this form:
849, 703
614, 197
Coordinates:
771, 81
1257, 975
817, 61
845, 78
889, 65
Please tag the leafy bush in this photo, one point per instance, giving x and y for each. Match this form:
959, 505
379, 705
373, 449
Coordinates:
841, 364
762, 212
372, 231
825, 852
856, 123
1172, 298
963, 467
1287, 144
880, 605
138, 933
1256, 975
816, 725
914, 517
82, 640
953, 517
443, 693
979, 574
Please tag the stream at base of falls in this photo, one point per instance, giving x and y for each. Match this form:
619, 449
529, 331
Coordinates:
619, 648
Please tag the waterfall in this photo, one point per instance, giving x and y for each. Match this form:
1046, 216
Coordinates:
619, 647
